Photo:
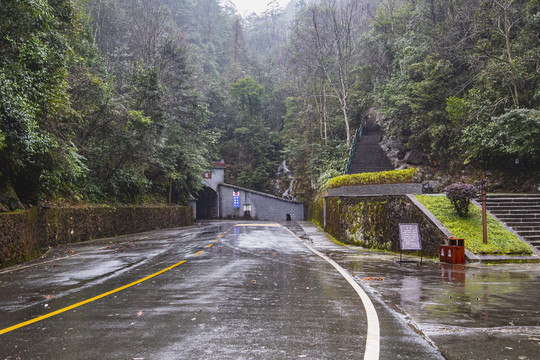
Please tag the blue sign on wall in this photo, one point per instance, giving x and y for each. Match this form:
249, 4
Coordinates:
236, 199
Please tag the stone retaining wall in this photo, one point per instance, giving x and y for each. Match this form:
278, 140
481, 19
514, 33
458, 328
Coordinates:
315, 212
24, 234
372, 221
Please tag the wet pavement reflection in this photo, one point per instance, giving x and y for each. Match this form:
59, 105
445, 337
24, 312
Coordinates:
256, 292
469, 311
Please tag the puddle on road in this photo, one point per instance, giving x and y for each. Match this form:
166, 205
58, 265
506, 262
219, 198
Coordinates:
454, 295
460, 306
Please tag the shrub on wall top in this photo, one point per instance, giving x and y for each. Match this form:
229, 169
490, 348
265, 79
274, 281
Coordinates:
375, 178
460, 196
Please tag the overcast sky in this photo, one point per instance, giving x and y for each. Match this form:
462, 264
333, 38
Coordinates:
246, 7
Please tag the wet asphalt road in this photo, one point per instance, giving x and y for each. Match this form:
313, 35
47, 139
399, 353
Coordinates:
468, 312
471, 311
257, 292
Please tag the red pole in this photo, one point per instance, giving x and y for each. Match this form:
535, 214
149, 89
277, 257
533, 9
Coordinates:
484, 216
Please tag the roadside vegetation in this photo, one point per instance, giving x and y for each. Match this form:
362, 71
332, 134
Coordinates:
114, 101
500, 240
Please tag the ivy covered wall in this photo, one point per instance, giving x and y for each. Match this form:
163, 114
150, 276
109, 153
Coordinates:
372, 221
316, 212
24, 234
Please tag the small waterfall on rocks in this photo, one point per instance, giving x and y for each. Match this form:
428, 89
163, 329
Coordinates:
284, 180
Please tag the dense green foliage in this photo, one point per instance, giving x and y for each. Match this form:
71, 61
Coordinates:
455, 73
248, 143
34, 49
107, 100
375, 178
78, 123
500, 240
455, 80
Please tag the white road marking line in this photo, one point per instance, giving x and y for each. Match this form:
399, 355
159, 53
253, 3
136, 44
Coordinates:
373, 331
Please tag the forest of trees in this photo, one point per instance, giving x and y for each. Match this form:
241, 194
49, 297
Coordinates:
106, 101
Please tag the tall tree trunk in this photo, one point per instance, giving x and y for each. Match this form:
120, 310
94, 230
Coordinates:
325, 115
321, 101
343, 101
506, 33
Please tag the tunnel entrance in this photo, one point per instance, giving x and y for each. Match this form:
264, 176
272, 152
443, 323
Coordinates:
206, 204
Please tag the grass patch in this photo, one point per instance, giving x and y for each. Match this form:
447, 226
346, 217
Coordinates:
374, 178
500, 240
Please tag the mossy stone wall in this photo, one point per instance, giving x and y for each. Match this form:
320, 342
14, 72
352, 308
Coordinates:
372, 222
24, 234
19, 237
315, 212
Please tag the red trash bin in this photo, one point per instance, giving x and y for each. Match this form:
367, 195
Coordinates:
450, 255
443, 251
457, 250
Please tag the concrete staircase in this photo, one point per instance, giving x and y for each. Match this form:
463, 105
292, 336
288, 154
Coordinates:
369, 156
520, 212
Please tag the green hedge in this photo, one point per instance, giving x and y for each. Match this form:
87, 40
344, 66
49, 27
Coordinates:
23, 234
500, 240
375, 178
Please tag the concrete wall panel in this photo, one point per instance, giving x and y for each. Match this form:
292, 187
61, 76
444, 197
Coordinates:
263, 206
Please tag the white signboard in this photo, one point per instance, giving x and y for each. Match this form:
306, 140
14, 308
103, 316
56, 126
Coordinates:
409, 237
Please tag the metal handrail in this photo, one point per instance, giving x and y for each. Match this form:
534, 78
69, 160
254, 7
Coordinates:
357, 134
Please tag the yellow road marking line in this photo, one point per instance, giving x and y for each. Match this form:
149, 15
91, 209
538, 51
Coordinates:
84, 302
209, 246
46, 316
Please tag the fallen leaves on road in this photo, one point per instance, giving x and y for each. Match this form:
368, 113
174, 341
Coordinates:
374, 278
49, 296
139, 313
